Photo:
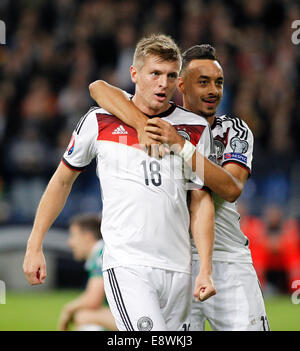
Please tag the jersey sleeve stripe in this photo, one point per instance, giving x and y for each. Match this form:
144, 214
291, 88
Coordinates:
239, 164
243, 127
73, 168
238, 126
82, 119
235, 126
205, 188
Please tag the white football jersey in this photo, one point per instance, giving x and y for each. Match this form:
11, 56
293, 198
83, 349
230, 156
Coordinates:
145, 219
233, 142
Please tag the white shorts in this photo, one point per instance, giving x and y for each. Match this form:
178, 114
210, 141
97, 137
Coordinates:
238, 303
146, 298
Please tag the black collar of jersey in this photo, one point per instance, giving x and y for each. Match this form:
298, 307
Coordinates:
214, 123
165, 113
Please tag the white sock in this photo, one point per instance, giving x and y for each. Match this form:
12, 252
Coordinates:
90, 327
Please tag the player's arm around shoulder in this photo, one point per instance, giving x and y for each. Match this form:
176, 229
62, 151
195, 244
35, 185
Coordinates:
215, 177
118, 103
202, 228
239, 173
50, 206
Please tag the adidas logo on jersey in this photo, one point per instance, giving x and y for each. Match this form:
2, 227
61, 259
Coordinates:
120, 130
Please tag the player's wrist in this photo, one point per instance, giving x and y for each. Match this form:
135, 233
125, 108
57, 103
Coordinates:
139, 122
206, 273
187, 151
205, 268
32, 246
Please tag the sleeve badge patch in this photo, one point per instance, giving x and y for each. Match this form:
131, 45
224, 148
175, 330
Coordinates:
239, 146
235, 156
71, 145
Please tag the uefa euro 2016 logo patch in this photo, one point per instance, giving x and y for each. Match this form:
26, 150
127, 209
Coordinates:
71, 145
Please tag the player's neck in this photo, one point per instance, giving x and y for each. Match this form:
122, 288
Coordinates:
146, 109
210, 119
91, 246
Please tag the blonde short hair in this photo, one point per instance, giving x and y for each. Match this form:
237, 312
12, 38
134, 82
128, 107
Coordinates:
159, 45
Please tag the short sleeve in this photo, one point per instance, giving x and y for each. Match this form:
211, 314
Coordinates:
82, 147
205, 146
239, 148
96, 269
94, 263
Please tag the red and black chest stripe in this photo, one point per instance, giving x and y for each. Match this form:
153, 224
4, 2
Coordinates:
110, 128
191, 133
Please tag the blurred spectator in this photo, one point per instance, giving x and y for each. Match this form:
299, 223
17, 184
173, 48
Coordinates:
28, 153
283, 247
160, 19
74, 99
40, 102
28, 164
126, 41
5, 208
275, 246
2, 118
254, 228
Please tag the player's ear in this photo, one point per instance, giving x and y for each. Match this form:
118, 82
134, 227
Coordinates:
180, 85
133, 73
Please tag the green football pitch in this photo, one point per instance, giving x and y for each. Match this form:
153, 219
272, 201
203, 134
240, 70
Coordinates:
39, 311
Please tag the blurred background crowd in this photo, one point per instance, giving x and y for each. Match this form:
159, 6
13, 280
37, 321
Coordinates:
55, 48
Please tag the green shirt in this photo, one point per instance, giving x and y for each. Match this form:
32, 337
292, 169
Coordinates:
93, 264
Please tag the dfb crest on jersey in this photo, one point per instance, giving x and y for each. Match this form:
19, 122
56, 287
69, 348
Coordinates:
239, 146
184, 134
219, 146
145, 324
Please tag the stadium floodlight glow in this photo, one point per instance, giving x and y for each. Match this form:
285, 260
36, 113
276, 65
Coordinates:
2, 32
296, 34
2, 293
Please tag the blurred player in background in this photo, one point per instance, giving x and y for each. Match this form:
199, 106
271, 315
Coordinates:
145, 219
238, 304
88, 311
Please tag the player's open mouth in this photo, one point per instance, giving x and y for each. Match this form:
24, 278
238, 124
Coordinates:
211, 101
161, 96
